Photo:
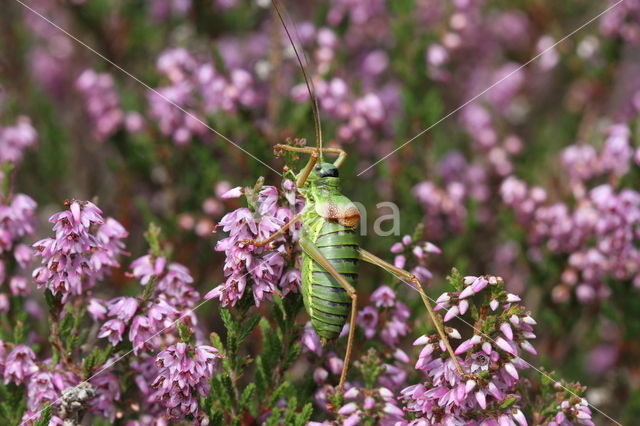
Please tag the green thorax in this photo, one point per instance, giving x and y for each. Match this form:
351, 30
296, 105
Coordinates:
323, 195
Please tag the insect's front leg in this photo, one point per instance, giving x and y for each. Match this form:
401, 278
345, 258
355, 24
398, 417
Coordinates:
312, 251
342, 154
278, 233
402, 274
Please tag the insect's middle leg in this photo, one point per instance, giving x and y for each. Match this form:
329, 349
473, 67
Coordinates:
415, 282
310, 249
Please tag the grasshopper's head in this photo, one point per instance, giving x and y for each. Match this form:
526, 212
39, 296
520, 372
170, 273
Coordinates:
324, 175
325, 170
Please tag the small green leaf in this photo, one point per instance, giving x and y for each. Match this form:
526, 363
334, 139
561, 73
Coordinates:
456, 280
249, 326
185, 333
293, 354
247, 396
45, 416
18, 333
304, 416
275, 418
216, 417
153, 238
508, 402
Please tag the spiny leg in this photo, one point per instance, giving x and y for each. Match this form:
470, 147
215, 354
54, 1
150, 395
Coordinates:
401, 273
342, 154
310, 249
279, 232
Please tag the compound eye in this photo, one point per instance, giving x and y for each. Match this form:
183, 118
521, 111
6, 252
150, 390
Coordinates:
318, 167
329, 172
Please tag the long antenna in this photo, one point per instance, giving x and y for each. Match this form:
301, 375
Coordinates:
307, 80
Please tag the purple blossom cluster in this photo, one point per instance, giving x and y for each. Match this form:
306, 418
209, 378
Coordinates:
264, 270
417, 251
83, 251
598, 230
622, 22
149, 324
379, 403
102, 102
488, 392
15, 140
362, 116
183, 376
172, 298
17, 217
445, 204
47, 383
198, 88
386, 318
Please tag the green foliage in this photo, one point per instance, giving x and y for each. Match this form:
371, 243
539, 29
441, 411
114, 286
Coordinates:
246, 387
456, 280
185, 333
96, 358
70, 330
153, 239
13, 403
45, 416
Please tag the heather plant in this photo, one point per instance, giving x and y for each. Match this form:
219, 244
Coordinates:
501, 136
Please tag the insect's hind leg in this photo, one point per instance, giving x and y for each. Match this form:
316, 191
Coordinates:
310, 249
415, 283
279, 232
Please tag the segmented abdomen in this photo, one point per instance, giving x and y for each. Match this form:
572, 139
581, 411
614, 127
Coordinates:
327, 301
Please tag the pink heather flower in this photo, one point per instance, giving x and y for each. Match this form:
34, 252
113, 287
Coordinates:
19, 364
107, 388
173, 280
146, 267
96, 309
70, 260
368, 319
183, 376
17, 218
617, 153
379, 403
112, 330
102, 103
111, 237
386, 316
260, 269
41, 389
19, 286
311, 341
236, 192
141, 331
123, 308
23, 254
445, 396
383, 296
290, 281
14, 140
